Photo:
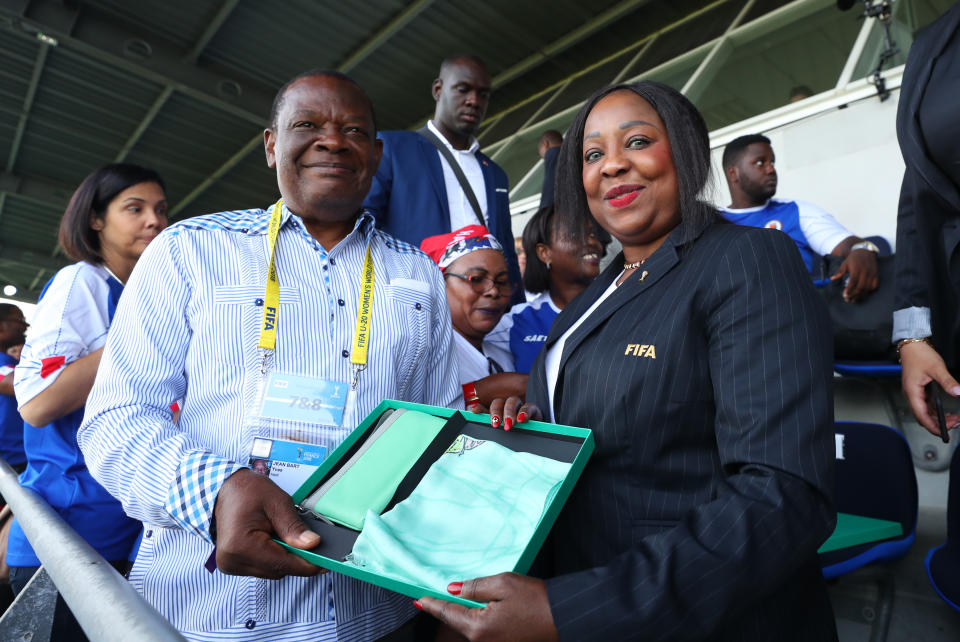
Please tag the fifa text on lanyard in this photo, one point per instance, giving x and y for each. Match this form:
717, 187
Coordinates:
271, 306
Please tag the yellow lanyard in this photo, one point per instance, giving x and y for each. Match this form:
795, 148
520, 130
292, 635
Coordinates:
271, 302
271, 299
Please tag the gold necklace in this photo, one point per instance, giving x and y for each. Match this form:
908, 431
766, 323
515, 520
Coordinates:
635, 264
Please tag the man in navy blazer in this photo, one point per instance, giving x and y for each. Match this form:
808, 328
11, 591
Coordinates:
416, 194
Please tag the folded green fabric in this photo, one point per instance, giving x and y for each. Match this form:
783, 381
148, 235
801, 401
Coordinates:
472, 515
369, 479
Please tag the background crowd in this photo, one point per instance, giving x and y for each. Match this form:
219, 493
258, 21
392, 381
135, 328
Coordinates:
114, 415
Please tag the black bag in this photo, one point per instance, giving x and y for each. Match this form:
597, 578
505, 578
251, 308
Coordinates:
861, 331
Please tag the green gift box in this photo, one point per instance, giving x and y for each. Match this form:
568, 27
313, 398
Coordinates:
561, 443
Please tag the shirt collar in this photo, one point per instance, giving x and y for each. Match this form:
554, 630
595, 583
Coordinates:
364, 224
474, 144
748, 210
363, 227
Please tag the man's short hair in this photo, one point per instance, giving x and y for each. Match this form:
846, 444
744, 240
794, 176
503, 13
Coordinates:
734, 150
6, 310
328, 73
455, 58
551, 137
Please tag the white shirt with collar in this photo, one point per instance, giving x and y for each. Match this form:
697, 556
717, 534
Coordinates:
461, 213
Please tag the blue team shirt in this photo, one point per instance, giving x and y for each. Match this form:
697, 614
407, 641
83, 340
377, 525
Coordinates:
524, 329
777, 215
71, 320
11, 425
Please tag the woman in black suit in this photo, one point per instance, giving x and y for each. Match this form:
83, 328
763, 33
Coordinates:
926, 325
701, 359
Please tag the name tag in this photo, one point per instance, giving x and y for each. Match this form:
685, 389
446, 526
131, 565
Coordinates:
305, 399
287, 463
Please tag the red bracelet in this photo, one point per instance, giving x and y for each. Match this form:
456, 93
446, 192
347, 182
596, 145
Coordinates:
470, 394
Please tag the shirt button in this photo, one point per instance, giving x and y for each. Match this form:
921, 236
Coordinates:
324, 268
244, 231
250, 624
345, 354
340, 301
417, 306
148, 534
258, 302
332, 262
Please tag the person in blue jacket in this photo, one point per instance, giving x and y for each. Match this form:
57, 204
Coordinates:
416, 193
111, 218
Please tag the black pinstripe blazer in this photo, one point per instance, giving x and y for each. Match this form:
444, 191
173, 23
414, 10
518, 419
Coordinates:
928, 220
708, 387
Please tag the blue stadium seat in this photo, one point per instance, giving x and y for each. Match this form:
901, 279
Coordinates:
875, 478
867, 368
943, 562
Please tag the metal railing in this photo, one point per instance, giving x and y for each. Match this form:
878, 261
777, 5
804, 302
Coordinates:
104, 603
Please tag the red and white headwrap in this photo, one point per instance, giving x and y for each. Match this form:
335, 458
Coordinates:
444, 249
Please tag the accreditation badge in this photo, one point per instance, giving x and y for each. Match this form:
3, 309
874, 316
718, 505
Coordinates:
295, 423
287, 463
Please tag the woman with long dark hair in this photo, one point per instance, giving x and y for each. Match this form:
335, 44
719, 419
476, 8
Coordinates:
110, 220
701, 360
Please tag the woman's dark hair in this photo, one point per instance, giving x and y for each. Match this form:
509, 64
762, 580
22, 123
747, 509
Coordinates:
544, 227
689, 145
80, 241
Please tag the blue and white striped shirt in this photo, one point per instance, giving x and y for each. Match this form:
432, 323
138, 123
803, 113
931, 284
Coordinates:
187, 328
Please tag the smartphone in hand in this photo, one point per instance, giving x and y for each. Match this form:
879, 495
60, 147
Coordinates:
933, 392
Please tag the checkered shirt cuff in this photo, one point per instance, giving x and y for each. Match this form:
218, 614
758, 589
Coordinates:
194, 493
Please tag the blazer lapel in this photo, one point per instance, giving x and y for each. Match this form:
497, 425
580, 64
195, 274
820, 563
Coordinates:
489, 184
915, 153
645, 277
431, 160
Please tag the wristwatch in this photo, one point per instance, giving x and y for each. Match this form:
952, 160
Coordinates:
865, 245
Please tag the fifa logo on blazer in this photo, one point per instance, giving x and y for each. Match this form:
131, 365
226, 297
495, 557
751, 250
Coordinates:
641, 350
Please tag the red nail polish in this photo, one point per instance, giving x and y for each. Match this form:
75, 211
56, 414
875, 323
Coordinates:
417, 604
454, 588
522, 417
474, 407
495, 421
507, 423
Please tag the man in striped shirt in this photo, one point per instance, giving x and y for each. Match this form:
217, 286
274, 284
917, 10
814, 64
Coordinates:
187, 328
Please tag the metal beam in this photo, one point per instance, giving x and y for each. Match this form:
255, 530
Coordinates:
232, 162
101, 37
532, 119
561, 44
33, 259
106, 606
396, 24
642, 42
212, 28
568, 40
144, 124
707, 68
42, 190
27, 105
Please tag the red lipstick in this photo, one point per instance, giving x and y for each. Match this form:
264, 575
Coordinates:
622, 195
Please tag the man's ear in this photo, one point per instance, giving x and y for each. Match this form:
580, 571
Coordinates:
733, 174
436, 88
269, 140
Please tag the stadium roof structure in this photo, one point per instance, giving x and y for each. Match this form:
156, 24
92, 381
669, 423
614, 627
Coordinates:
185, 86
